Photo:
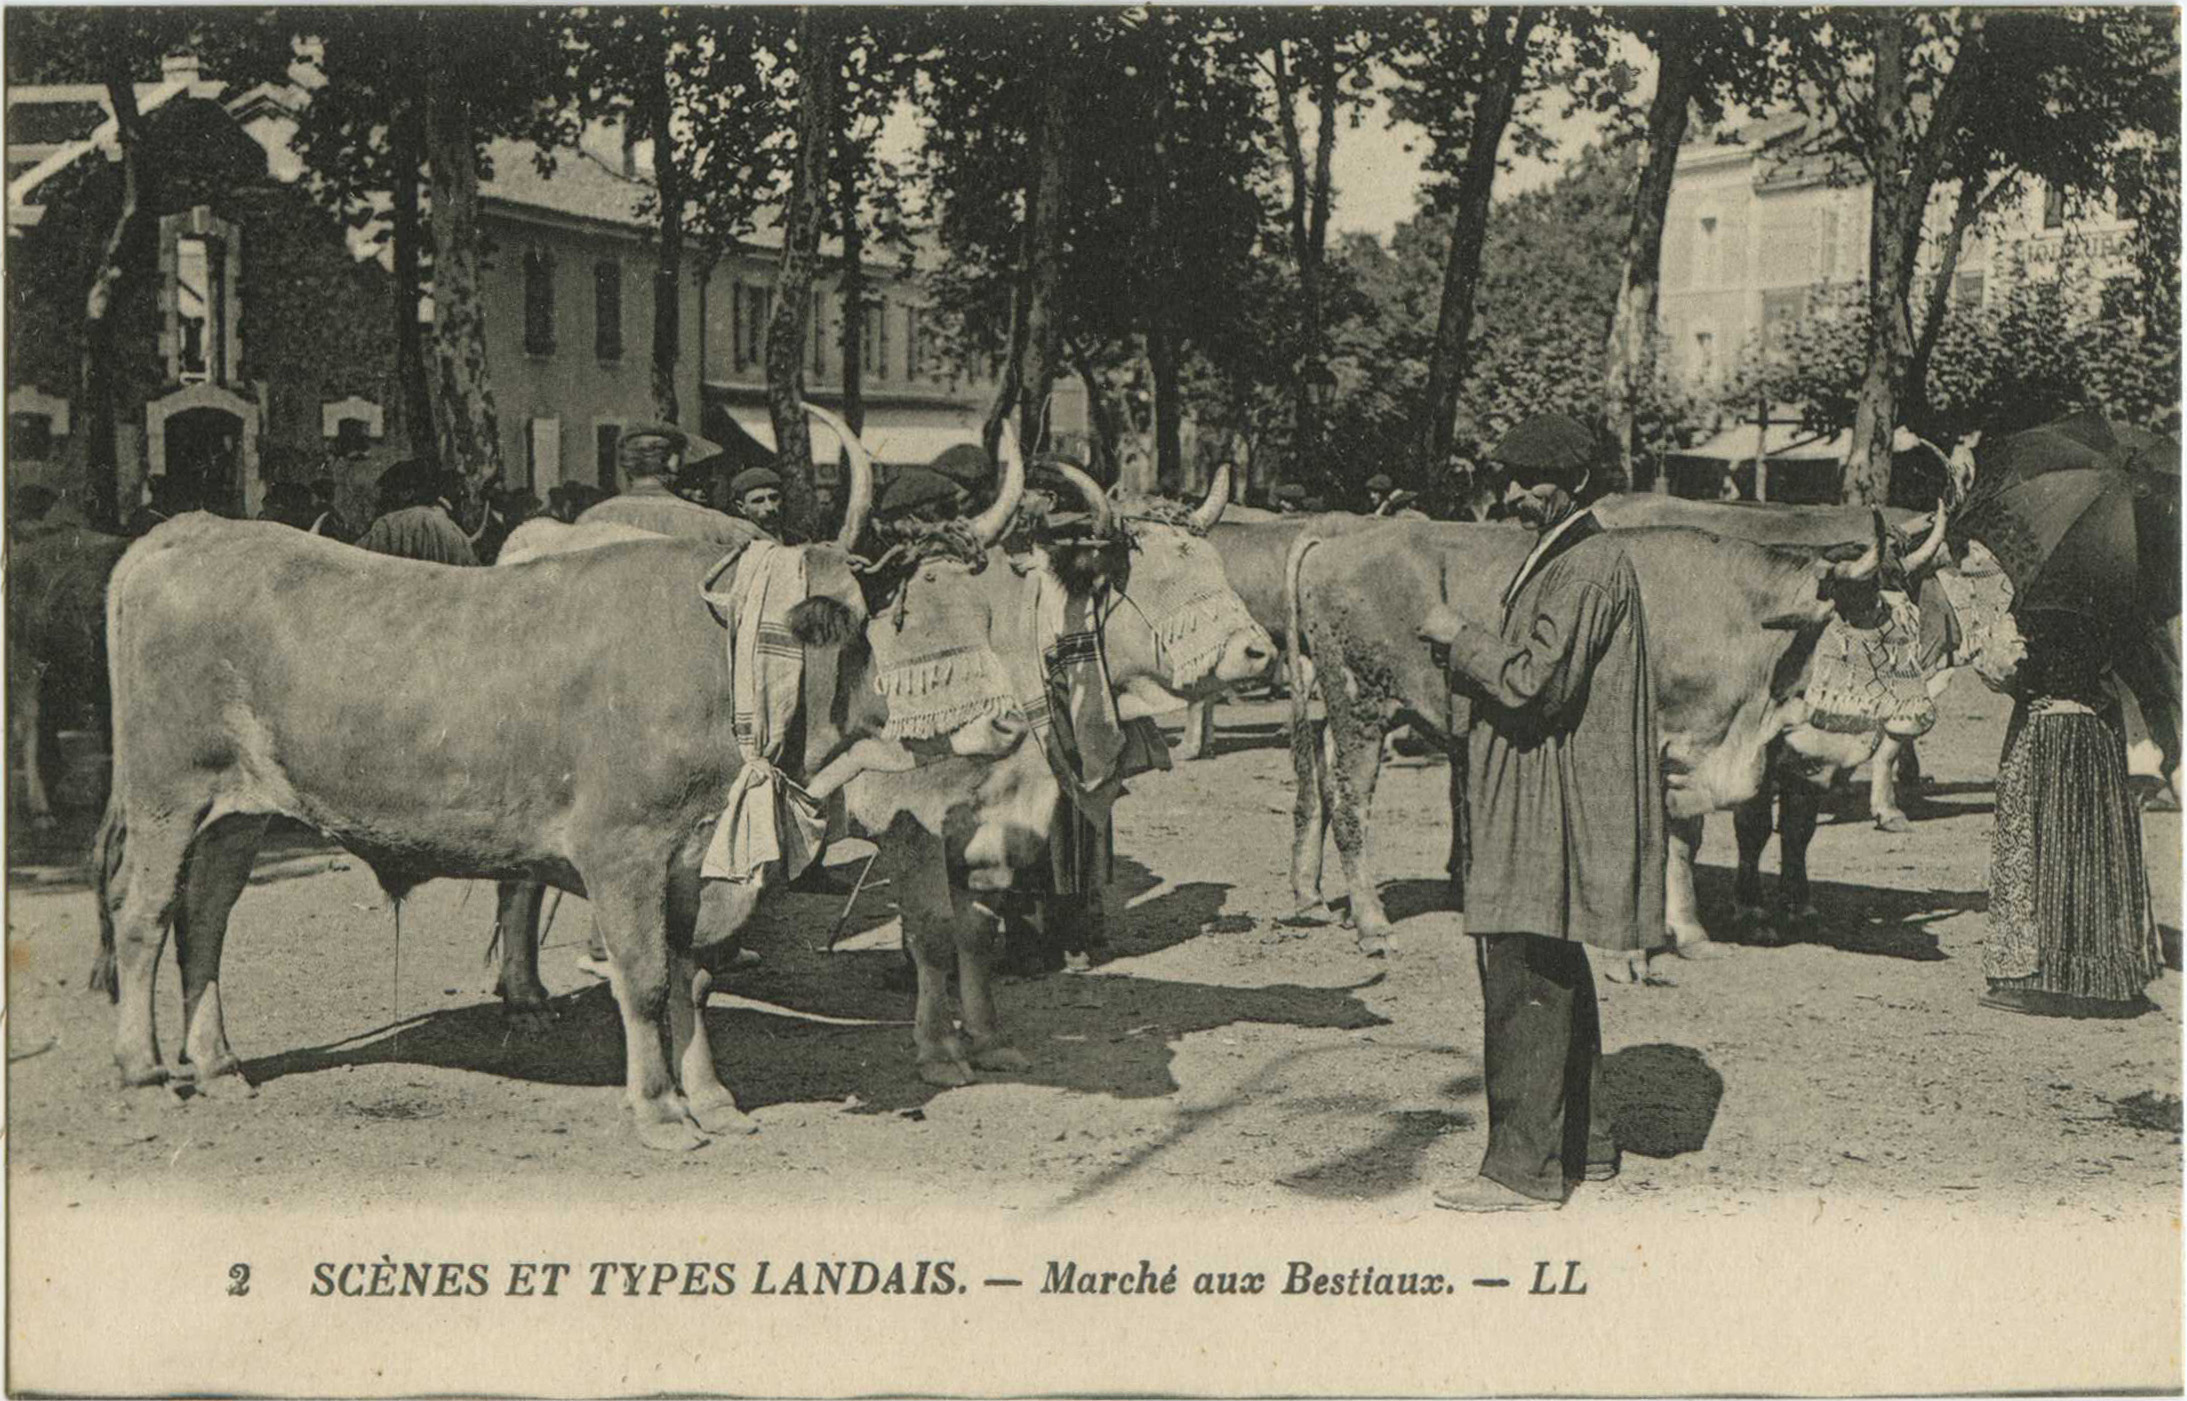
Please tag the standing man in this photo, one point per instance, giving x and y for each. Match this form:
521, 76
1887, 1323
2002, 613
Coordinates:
415, 519
1566, 807
647, 458
756, 494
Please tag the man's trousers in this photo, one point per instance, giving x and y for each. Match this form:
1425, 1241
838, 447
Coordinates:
1542, 1060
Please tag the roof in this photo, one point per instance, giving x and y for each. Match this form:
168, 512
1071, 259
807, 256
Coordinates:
582, 185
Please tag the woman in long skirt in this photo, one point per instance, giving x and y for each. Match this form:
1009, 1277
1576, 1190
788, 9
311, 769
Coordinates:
2071, 929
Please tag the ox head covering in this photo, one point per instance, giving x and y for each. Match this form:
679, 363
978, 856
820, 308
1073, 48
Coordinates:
1550, 447
1864, 678
934, 662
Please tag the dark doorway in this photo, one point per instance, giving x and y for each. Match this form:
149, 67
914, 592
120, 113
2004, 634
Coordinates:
205, 458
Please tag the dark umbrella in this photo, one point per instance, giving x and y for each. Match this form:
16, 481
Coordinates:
2082, 515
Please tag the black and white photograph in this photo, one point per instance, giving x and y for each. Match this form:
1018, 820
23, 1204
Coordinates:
1207, 700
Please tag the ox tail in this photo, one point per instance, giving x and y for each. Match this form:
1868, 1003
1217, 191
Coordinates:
1305, 745
106, 859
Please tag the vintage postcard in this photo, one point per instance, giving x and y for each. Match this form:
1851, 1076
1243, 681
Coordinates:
980, 701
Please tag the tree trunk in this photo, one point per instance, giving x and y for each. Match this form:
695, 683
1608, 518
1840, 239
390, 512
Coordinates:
412, 400
1309, 232
95, 369
1161, 321
1103, 417
818, 47
1914, 393
466, 431
1630, 362
853, 292
1044, 253
1162, 353
668, 178
1905, 166
1469, 230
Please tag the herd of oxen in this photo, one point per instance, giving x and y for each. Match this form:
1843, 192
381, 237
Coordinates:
565, 719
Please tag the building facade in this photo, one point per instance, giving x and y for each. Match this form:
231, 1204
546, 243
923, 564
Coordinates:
1758, 235
255, 333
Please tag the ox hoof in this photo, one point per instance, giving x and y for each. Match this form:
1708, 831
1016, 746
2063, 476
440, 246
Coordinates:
947, 1073
676, 1137
1376, 945
136, 1075
1630, 969
720, 1115
1893, 822
224, 1085
530, 1021
1003, 1058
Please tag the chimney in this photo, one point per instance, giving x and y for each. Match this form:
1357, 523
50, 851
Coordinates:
178, 67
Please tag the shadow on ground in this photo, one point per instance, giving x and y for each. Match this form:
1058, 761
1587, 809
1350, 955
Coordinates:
1662, 1099
1862, 919
1104, 1033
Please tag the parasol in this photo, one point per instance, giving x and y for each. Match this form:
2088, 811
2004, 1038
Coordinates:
2083, 515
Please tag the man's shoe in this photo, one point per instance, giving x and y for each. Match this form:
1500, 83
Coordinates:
1602, 1169
1487, 1194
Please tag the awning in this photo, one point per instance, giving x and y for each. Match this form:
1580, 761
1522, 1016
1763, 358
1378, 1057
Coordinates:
892, 445
1786, 442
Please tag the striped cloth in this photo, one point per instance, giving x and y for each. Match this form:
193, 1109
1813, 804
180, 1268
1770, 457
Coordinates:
769, 822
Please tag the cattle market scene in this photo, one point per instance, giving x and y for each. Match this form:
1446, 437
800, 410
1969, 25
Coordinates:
1359, 618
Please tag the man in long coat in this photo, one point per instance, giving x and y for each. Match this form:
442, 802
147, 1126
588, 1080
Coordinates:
1566, 808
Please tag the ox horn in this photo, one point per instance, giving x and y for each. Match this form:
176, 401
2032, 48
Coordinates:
1097, 500
1210, 510
1915, 562
1868, 563
989, 525
858, 499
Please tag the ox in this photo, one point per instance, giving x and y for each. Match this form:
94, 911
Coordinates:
1732, 628
56, 642
947, 832
518, 726
1253, 549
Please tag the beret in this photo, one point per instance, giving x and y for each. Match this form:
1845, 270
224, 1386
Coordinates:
1551, 445
753, 478
915, 487
1380, 481
1290, 491
966, 464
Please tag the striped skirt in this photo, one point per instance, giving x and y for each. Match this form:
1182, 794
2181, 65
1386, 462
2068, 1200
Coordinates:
2069, 890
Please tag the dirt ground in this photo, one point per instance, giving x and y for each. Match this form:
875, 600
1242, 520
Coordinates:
1216, 1058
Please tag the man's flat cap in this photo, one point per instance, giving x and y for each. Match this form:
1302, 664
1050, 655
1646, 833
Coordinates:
915, 487
752, 479
690, 446
1380, 481
966, 464
1551, 445
1290, 491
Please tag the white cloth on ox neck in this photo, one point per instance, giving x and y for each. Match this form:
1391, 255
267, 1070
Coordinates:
768, 818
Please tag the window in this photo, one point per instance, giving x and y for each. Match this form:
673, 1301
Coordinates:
873, 345
352, 436
538, 303
1704, 354
1704, 252
607, 310
543, 454
914, 349
880, 314
201, 310
816, 333
2053, 208
1967, 289
753, 307
1782, 311
605, 437
30, 436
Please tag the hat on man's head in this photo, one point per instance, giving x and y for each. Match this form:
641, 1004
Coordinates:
693, 448
752, 479
1380, 481
1548, 447
966, 464
915, 487
1290, 491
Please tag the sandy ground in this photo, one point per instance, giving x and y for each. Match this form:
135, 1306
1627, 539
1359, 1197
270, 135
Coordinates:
1216, 1058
